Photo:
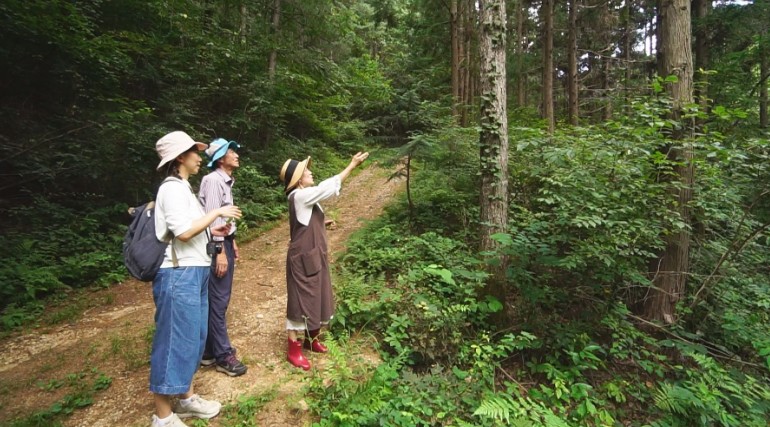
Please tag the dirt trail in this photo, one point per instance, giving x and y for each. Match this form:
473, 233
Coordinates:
112, 337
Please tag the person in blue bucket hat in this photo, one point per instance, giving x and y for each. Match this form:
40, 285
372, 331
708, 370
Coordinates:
215, 192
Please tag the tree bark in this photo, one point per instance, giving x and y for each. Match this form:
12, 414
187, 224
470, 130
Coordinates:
454, 41
493, 139
659, 36
521, 42
573, 66
243, 29
702, 60
470, 65
607, 87
765, 70
274, 29
608, 20
547, 13
764, 67
627, 47
675, 58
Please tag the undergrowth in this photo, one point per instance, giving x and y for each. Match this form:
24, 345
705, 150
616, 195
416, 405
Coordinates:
80, 389
585, 221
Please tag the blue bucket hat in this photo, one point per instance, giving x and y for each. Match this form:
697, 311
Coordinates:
217, 149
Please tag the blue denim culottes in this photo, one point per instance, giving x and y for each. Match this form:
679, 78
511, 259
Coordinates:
181, 324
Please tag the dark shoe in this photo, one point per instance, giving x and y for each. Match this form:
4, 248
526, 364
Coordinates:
208, 360
231, 366
312, 342
295, 356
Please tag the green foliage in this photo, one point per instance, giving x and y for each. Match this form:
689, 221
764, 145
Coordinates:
67, 249
243, 411
352, 392
82, 387
258, 196
96, 83
587, 216
444, 304
517, 411
709, 394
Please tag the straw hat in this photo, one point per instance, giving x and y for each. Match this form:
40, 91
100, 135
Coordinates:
171, 145
292, 171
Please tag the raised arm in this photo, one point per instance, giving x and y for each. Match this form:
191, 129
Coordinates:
357, 160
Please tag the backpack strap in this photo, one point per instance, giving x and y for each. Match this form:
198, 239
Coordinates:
174, 259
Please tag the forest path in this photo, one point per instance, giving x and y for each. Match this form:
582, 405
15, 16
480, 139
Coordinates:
113, 337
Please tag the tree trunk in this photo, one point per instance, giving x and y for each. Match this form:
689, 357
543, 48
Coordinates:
410, 204
243, 28
521, 42
606, 62
659, 37
547, 13
493, 139
468, 69
765, 71
572, 81
607, 87
274, 28
628, 38
454, 38
702, 62
675, 58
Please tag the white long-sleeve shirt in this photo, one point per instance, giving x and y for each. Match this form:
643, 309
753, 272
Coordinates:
306, 198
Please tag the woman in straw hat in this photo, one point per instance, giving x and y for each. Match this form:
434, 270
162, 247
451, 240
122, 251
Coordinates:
180, 288
310, 302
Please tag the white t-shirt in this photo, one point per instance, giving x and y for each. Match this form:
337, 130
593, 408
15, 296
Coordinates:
305, 198
176, 207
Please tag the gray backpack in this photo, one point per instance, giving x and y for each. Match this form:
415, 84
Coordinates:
142, 251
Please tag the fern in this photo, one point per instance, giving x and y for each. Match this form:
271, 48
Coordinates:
712, 395
518, 411
674, 399
498, 407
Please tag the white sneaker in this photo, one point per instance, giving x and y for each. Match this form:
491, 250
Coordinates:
174, 422
198, 408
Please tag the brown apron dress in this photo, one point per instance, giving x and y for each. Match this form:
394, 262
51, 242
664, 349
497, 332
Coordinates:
308, 283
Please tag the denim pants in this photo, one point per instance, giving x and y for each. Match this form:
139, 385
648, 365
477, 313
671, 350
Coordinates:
181, 324
220, 288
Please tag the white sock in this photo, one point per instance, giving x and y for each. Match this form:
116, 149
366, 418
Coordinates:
187, 401
159, 422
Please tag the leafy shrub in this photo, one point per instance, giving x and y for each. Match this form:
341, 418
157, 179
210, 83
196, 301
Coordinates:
587, 215
709, 394
354, 393
260, 197
73, 247
444, 304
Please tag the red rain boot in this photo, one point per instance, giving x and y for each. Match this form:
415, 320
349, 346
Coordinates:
312, 342
295, 356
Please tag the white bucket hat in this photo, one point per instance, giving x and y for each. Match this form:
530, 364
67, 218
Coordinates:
171, 145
